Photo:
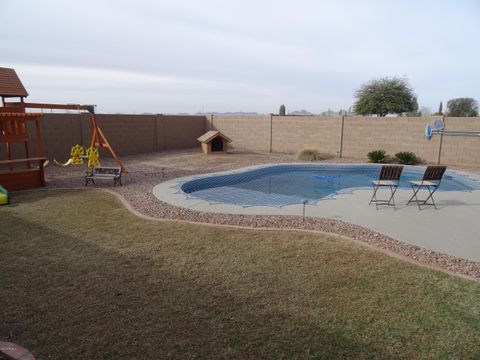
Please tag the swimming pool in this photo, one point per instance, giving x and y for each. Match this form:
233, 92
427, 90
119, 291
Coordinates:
280, 185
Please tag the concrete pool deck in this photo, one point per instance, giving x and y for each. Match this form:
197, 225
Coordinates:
452, 229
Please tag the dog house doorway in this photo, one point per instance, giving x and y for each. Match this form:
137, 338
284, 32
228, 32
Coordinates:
217, 144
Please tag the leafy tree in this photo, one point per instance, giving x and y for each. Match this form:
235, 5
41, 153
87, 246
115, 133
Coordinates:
281, 111
462, 107
384, 96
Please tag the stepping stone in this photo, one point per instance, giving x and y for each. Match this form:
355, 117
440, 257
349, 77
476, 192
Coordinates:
15, 352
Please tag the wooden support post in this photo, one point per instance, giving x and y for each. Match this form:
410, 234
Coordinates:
94, 140
9, 155
22, 102
40, 150
27, 154
100, 140
41, 172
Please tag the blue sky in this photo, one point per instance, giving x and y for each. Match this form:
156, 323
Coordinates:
185, 56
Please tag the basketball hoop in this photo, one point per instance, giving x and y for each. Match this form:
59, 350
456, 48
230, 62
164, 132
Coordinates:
438, 126
428, 132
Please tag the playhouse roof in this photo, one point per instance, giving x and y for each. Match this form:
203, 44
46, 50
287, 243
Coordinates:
10, 84
210, 135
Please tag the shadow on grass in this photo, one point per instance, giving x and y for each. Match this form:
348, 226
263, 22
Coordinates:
83, 278
65, 298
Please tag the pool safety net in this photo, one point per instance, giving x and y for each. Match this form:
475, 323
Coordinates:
281, 185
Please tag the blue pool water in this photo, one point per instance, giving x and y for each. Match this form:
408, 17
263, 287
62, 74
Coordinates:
280, 185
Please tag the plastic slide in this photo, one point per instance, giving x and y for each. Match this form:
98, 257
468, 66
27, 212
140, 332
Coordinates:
4, 199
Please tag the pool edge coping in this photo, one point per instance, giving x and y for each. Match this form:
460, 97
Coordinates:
196, 204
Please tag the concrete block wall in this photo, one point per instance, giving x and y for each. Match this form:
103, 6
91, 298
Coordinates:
293, 133
364, 134
127, 134
353, 136
461, 150
181, 132
347, 136
248, 132
60, 133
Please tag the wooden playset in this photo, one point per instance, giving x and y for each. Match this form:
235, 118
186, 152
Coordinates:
18, 172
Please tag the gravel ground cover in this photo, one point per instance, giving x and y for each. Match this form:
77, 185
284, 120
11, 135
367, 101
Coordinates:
147, 170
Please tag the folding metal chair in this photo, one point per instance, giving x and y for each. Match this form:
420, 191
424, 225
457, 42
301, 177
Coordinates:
431, 181
389, 177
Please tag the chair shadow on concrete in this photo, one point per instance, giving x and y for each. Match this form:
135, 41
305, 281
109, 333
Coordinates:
441, 204
454, 202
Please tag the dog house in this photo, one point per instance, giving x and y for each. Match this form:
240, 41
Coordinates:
214, 141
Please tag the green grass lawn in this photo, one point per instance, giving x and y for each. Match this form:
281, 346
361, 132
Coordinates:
82, 278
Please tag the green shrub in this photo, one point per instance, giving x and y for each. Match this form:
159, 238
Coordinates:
406, 157
312, 155
377, 156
